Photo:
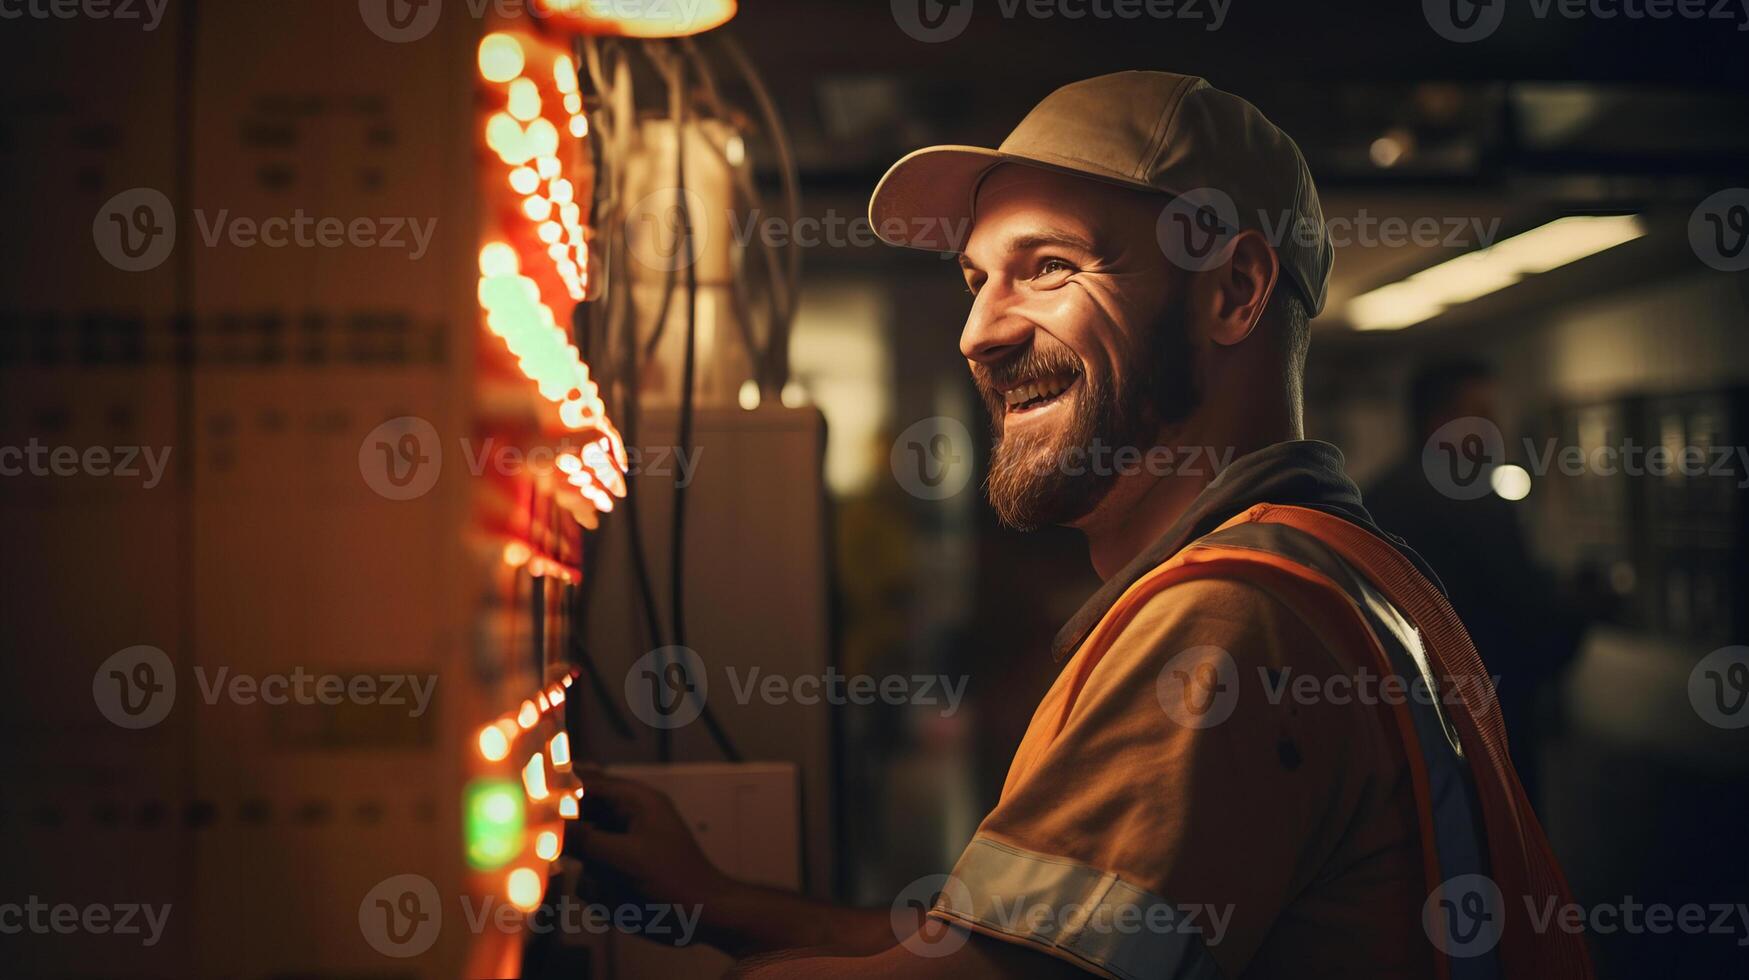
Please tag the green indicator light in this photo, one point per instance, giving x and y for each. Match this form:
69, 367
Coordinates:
493, 823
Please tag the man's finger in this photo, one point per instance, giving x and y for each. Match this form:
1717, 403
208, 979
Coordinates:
627, 795
608, 848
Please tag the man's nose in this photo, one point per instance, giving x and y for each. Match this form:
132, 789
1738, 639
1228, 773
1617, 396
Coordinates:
994, 328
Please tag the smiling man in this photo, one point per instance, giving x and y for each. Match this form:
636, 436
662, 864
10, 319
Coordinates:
1271, 749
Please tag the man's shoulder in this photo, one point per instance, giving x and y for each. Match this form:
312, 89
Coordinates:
1243, 617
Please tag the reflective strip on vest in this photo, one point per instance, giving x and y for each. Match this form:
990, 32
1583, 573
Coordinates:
1457, 826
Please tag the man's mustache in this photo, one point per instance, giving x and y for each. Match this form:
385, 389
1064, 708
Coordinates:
1029, 364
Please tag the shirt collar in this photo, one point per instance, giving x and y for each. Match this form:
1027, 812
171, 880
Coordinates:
1304, 473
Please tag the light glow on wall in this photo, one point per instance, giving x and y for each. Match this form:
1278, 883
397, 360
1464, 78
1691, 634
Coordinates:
546, 845
534, 777
641, 19
492, 823
494, 746
523, 888
1429, 293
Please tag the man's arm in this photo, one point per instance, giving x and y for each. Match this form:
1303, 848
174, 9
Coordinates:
647, 853
638, 837
956, 955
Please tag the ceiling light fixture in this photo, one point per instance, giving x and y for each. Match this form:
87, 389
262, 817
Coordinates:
1428, 293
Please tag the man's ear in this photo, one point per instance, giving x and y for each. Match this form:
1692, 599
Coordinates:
1239, 289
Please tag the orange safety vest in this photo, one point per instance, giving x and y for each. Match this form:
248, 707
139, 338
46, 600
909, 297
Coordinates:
1354, 586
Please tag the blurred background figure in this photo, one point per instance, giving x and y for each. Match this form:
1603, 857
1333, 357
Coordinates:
1525, 628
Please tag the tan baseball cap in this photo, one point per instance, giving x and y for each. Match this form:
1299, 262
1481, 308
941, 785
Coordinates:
1210, 151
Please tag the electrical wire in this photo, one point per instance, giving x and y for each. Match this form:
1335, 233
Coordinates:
777, 347
621, 350
784, 287
619, 104
688, 376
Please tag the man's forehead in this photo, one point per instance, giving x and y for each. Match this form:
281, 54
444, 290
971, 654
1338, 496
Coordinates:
1019, 207
1009, 185
1016, 205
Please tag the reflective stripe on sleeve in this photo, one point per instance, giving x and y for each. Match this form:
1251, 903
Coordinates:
1075, 912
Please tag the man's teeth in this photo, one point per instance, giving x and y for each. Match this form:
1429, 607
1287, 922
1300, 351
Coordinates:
1036, 391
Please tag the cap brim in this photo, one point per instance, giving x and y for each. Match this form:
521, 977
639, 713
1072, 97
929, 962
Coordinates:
925, 200
928, 198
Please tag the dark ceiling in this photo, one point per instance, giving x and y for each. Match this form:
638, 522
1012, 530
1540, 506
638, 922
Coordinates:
1662, 96
1548, 114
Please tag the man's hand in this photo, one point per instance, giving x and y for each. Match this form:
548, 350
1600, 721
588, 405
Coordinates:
967, 956
638, 849
635, 832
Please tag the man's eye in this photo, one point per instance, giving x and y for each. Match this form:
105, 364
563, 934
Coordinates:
1051, 267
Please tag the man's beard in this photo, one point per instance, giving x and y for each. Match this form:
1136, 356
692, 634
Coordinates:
1059, 476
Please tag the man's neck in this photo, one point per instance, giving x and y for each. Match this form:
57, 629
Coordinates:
1143, 506
1146, 507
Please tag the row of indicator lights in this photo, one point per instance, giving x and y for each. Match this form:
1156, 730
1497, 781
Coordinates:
642, 19
516, 314
528, 142
544, 353
512, 301
524, 885
599, 467
495, 740
494, 825
518, 554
